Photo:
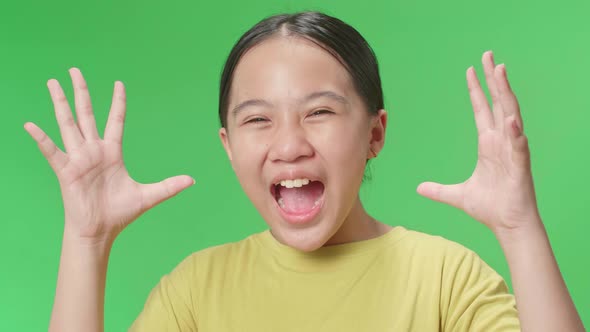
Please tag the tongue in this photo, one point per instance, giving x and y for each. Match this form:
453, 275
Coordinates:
301, 200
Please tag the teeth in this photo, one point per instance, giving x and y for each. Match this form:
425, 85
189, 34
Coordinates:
282, 203
296, 183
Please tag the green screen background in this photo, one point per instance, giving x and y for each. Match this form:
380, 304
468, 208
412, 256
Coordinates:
170, 57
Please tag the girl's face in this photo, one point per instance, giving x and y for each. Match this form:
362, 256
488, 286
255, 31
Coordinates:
295, 120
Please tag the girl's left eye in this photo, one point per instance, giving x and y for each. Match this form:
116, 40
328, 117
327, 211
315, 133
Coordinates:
320, 112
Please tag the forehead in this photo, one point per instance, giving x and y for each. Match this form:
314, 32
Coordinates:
288, 67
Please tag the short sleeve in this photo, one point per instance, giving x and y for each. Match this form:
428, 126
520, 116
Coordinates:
170, 305
474, 296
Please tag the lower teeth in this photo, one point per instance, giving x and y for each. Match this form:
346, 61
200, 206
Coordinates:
282, 203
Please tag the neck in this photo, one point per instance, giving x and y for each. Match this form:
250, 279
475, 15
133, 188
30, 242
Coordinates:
358, 226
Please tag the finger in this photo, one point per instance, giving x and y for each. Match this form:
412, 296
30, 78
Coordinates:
487, 61
488, 67
116, 121
84, 112
481, 109
56, 158
156, 193
70, 133
507, 98
448, 194
519, 143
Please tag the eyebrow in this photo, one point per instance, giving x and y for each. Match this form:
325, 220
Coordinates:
314, 95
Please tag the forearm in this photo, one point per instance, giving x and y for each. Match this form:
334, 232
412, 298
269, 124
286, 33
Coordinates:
543, 301
79, 296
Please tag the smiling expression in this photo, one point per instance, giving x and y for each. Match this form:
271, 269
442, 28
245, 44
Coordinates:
296, 120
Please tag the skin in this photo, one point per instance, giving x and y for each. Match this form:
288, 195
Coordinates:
101, 199
287, 136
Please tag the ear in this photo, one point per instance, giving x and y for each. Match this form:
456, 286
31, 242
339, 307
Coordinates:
377, 133
223, 135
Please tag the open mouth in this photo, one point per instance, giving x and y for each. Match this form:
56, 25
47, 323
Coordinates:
298, 200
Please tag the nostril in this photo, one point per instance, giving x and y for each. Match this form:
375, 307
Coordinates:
290, 148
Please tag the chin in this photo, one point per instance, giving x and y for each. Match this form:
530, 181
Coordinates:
306, 239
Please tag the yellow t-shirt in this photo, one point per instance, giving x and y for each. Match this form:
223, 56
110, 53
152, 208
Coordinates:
400, 281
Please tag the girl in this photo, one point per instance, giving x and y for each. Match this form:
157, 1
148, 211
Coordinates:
301, 111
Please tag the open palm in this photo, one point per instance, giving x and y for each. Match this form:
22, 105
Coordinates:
500, 192
100, 198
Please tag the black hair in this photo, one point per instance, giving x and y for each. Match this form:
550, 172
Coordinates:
330, 33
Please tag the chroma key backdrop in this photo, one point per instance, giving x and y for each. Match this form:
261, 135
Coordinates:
170, 54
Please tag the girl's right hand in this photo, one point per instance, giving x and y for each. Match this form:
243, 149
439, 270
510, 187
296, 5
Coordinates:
100, 198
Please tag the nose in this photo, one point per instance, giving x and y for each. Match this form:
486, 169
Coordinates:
290, 143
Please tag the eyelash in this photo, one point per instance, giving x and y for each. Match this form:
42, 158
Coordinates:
320, 112
258, 120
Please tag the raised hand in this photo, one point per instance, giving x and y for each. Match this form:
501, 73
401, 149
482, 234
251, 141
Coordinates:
500, 192
100, 198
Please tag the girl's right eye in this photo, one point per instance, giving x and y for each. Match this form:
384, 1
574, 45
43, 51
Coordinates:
256, 120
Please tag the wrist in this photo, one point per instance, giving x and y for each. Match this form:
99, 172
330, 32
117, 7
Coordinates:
96, 244
525, 230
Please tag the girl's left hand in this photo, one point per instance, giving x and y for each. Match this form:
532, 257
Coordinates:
500, 192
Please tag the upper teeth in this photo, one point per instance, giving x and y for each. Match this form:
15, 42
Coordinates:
294, 183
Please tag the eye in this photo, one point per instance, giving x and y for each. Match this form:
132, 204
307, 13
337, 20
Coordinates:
256, 120
320, 112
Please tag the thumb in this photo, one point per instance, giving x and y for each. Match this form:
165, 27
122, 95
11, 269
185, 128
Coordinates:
449, 194
155, 193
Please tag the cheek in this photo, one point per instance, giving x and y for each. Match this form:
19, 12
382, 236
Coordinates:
342, 142
247, 150
344, 152
247, 159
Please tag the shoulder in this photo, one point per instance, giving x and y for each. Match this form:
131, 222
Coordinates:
454, 263
432, 246
472, 295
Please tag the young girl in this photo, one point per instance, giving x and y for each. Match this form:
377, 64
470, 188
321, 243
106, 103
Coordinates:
301, 111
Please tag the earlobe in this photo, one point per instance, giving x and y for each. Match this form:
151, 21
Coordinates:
225, 141
372, 154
